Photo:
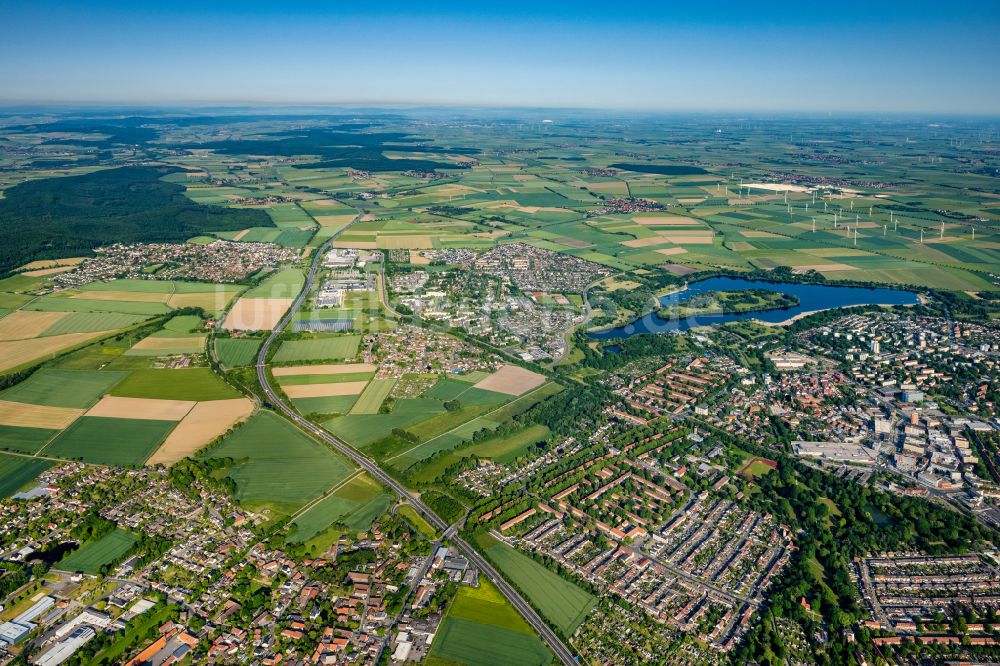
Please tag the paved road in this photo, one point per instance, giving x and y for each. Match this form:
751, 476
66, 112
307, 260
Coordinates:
554, 642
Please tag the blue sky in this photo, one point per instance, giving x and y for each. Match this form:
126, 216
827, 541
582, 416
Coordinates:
698, 55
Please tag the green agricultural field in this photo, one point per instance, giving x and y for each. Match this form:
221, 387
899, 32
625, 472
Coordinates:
356, 504
334, 404
561, 602
318, 349
57, 387
110, 441
18, 471
278, 465
24, 440
63, 304
501, 449
482, 629
237, 352
373, 396
182, 324
179, 384
90, 557
87, 322
286, 283
304, 380
363, 429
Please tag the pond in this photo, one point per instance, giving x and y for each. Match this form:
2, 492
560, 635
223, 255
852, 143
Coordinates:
812, 298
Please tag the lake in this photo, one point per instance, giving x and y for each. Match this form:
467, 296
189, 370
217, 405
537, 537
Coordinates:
812, 297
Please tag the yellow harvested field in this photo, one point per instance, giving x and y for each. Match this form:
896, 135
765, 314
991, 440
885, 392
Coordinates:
667, 220
835, 252
644, 242
404, 242
149, 409
324, 390
208, 300
19, 352
418, 260
683, 239
826, 267
145, 297
333, 220
256, 314
52, 263
24, 324
451, 189
205, 422
688, 202
42, 272
325, 202
669, 251
36, 416
357, 245
170, 344
326, 369
241, 234
511, 380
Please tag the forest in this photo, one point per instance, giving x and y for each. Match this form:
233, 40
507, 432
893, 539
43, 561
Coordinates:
63, 217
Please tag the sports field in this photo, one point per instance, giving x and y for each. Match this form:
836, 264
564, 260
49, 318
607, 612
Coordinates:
482, 629
17, 471
561, 602
109, 441
318, 349
279, 466
90, 557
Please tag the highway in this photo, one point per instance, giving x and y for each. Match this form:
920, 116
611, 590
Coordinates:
562, 652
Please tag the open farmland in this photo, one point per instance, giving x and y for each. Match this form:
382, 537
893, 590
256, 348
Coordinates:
196, 384
90, 557
512, 380
205, 422
18, 471
57, 387
237, 352
110, 441
561, 602
482, 629
355, 504
256, 314
25, 439
280, 467
318, 349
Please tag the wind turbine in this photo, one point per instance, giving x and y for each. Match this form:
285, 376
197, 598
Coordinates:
973, 233
885, 229
942, 229
921, 235
814, 226
855, 236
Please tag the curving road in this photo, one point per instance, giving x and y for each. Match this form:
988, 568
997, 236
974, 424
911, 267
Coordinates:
554, 642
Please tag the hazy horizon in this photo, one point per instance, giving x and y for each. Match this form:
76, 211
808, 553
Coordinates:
726, 57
